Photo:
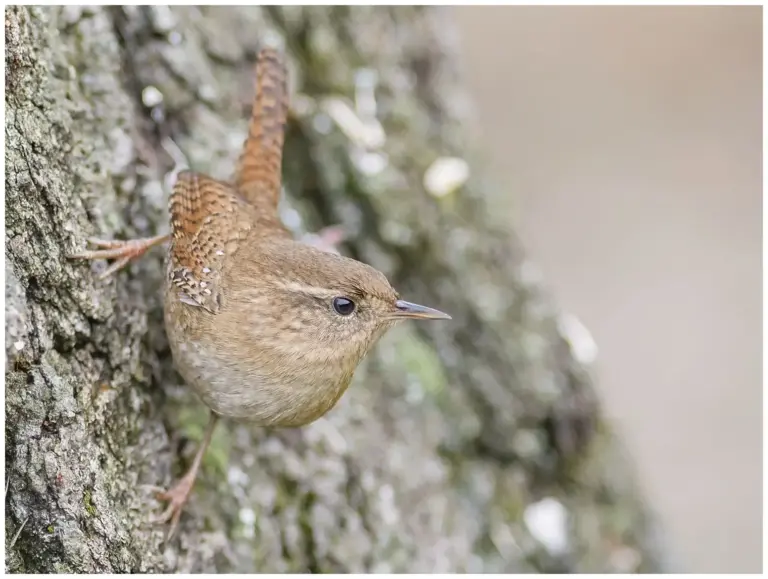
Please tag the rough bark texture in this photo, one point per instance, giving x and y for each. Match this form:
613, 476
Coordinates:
458, 447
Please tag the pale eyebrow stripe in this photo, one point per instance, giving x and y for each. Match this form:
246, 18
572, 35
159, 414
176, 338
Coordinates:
311, 290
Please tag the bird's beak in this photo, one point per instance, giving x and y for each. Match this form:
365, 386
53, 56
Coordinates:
409, 310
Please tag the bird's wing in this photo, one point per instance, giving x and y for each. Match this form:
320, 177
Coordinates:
209, 221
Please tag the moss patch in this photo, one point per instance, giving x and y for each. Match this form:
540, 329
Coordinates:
90, 509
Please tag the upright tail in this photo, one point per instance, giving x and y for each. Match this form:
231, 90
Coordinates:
259, 170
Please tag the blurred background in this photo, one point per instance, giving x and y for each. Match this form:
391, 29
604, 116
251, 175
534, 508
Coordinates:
627, 141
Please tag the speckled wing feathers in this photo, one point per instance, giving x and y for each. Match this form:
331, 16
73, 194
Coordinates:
208, 222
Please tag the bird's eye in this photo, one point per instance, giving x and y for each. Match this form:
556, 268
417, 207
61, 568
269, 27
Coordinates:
343, 306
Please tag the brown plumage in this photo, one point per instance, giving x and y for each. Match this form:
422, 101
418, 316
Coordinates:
264, 328
258, 171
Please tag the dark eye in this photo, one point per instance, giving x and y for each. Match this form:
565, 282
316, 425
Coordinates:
343, 306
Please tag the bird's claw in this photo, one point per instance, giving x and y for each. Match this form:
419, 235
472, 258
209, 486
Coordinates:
122, 251
107, 243
177, 497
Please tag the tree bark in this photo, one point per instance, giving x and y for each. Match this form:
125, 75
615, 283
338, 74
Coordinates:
471, 445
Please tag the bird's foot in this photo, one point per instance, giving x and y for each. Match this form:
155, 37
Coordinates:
121, 251
177, 497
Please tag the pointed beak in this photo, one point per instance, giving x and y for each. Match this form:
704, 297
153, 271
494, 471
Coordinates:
409, 310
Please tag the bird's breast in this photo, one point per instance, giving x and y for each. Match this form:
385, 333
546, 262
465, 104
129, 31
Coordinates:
252, 390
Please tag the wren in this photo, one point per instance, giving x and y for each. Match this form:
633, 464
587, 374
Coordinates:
264, 328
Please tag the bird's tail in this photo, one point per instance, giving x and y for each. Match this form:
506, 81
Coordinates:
259, 170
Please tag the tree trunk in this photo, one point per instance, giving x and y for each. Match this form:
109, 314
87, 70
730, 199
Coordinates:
471, 445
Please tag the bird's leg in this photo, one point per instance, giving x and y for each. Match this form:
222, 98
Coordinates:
121, 251
179, 493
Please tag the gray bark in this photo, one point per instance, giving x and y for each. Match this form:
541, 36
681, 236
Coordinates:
452, 433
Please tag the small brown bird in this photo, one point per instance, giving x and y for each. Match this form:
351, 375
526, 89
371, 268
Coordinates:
264, 328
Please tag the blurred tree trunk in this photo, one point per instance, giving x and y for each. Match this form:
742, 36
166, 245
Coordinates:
473, 445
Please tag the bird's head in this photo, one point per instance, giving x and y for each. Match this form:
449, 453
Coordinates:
329, 307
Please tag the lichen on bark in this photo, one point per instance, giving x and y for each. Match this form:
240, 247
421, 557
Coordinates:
451, 435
